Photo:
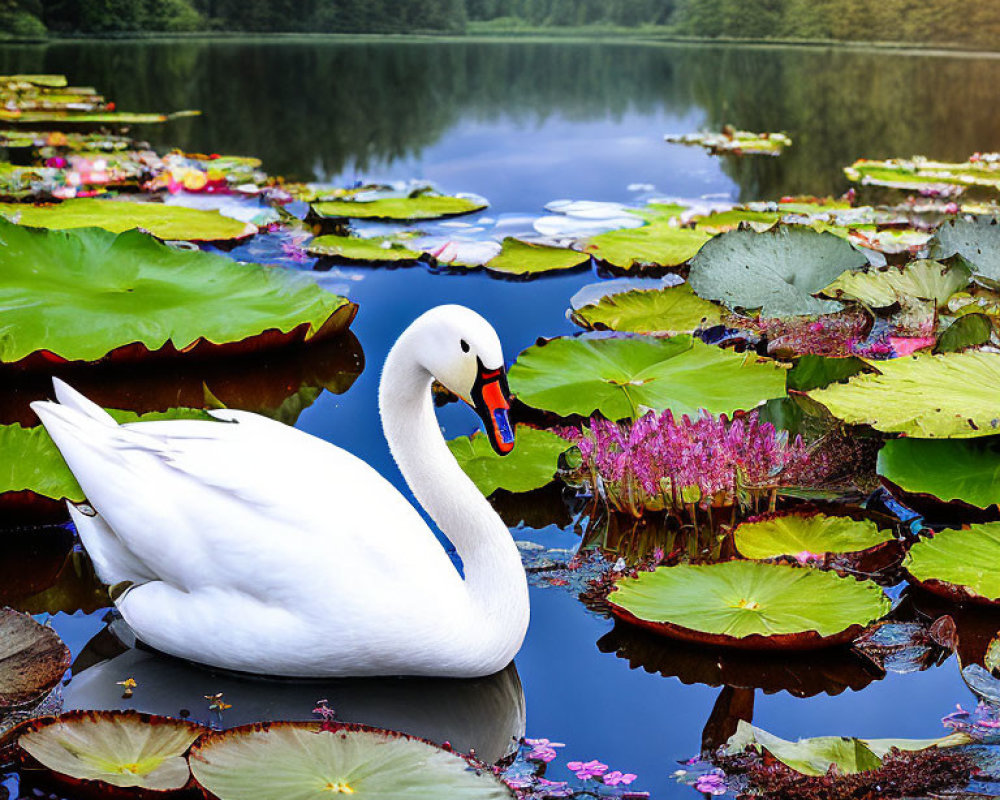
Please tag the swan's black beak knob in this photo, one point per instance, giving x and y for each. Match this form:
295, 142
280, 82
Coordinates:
491, 400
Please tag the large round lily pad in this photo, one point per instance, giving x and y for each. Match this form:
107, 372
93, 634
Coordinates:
354, 248
299, 761
659, 244
624, 377
674, 309
82, 295
777, 271
33, 659
815, 534
167, 222
529, 258
421, 207
117, 748
963, 565
976, 240
530, 465
967, 470
750, 604
950, 395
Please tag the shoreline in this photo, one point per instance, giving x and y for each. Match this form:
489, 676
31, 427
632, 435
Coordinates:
644, 36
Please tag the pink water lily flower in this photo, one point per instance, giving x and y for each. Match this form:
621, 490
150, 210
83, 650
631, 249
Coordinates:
542, 749
615, 777
805, 557
587, 769
711, 783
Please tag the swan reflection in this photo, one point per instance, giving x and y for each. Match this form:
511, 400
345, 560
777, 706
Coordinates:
485, 715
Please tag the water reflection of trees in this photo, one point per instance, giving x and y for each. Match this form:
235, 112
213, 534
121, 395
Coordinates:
318, 107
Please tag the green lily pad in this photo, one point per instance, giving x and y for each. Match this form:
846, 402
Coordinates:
815, 756
733, 142
63, 117
625, 377
962, 564
33, 659
530, 465
658, 244
163, 221
923, 280
130, 294
675, 309
776, 271
528, 258
50, 81
299, 761
118, 748
949, 469
919, 173
791, 534
951, 395
976, 240
354, 248
750, 604
421, 207
969, 330
815, 372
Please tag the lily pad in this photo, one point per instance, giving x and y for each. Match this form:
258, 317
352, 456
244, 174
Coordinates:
421, 207
33, 659
529, 258
922, 174
963, 565
674, 309
815, 534
530, 465
130, 296
733, 142
969, 330
923, 280
951, 395
659, 244
776, 271
58, 118
817, 755
750, 604
949, 469
118, 748
51, 81
625, 377
976, 240
815, 372
299, 761
163, 221
354, 248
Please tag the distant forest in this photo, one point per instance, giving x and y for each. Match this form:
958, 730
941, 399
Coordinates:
974, 23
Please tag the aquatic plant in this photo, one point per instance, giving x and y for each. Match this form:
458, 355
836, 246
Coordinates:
941, 563
33, 660
948, 469
806, 537
673, 309
928, 177
521, 258
424, 205
660, 462
731, 141
530, 465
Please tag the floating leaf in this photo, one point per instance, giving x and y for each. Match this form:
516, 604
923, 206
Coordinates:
33, 659
266, 761
104, 293
952, 395
922, 174
659, 244
163, 221
776, 271
924, 280
59, 117
969, 330
733, 142
421, 207
815, 372
530, 465
817, 755
976, 240
949, 469
750, 604
961, 564
355, 248
792, 534
992, 658
529, 258
674, 309
50, 81
624, 377
120, 748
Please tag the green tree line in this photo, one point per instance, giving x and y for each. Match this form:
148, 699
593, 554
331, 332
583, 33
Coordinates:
970, 22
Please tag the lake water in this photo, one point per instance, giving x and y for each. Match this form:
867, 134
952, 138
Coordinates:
523, 124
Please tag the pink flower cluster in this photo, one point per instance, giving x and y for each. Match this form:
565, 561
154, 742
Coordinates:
658, 462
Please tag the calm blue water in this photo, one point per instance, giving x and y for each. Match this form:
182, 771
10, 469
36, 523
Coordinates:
525, 124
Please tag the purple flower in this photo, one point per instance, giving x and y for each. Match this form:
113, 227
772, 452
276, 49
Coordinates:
711, 783
587, 769
616, 777
542, 750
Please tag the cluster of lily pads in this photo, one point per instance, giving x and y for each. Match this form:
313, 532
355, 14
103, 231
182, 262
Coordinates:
730, 141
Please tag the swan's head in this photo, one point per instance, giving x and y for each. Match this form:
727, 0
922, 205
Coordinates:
462, 351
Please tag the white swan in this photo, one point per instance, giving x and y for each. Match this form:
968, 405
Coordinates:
256, 547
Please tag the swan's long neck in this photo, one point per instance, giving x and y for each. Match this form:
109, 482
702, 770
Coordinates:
494, 576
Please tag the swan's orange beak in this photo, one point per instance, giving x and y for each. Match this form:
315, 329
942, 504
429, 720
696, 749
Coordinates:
491, 400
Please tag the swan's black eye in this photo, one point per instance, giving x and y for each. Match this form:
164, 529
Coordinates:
465, 346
